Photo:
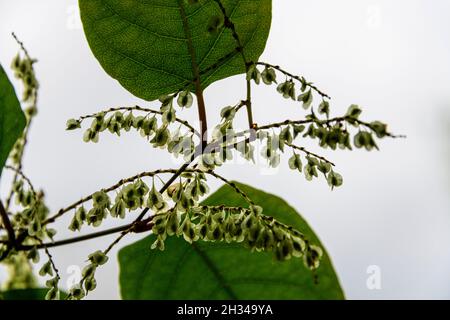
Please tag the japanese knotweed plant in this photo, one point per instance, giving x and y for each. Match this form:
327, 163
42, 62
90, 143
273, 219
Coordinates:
169, 52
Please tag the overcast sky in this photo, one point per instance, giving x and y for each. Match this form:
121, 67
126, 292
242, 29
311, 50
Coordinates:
391, 57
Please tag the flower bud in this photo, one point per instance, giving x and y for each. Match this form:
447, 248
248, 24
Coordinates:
101, 199
52, 283
75, 224
46, 269
89, 270
312, 257
172, 224
203, 231
306, 98
189, 232
98, 258
138, 122
90, 284
254, 74
81, 214
158, 244
298, 246
128, 122
52, 294
269, 76
161, 137
77, 292
73, 124
33, 255
216, 234
185, 99
118, 210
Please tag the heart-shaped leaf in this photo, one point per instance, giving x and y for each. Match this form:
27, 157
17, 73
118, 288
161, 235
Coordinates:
207, 270
145, 44
12, 119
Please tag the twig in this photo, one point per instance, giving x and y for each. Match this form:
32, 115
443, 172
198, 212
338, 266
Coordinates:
22, 46
8, 226
240, 48
50, 257
75, 239
302, 80
24, 177
232, 185
309, 153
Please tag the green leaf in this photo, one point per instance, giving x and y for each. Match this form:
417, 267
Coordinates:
144, 44
207, 270
27, 294
12, 118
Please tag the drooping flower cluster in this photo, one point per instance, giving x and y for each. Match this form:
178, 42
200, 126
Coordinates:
88, 282
138, 195
32, 219
235, 224
331, 133
34, 212
179, 141
24, 71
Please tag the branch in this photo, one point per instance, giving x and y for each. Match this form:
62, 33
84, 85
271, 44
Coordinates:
75, 239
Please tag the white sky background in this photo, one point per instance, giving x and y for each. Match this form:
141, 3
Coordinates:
391, 57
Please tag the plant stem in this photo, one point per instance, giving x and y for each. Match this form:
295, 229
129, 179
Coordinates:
248, 104
196, 74
8, 226
240, 48
202, 115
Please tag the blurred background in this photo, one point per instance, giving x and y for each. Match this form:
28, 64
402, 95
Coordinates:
390, 57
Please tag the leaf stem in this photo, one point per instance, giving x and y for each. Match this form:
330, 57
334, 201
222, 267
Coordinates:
248, 104
197, 80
